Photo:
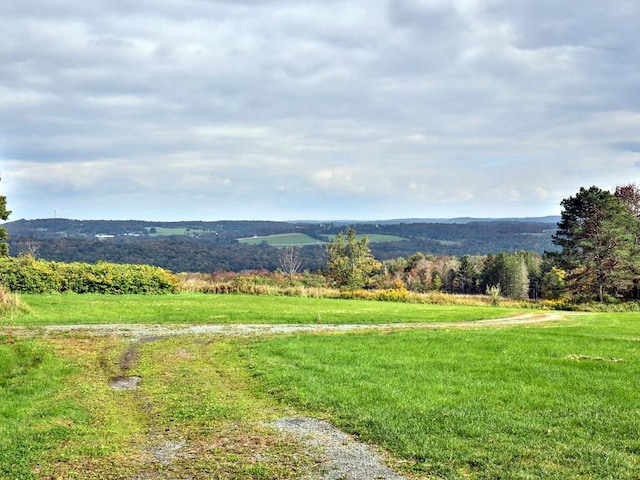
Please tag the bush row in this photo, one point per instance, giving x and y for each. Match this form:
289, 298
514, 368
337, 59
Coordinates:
28, 275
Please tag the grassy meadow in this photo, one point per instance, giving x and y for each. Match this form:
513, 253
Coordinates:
169, 231
557, 400
282, 240
302, 240
198, 308
372, 237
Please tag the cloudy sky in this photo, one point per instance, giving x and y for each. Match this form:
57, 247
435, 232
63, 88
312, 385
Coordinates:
327, 109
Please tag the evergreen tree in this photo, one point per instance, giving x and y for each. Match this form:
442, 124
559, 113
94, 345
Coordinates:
4, 215
466, 279
598, 235
509, 272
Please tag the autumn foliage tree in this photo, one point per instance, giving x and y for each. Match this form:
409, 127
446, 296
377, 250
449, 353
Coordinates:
630, 196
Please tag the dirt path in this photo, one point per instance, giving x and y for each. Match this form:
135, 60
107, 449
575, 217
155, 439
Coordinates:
147, 330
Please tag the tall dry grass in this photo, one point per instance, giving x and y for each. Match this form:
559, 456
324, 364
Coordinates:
9, 302
259, 283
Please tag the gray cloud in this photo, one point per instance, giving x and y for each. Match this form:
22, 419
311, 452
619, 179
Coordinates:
320, 109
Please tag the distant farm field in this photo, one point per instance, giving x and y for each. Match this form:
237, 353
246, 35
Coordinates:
168, 231
282, 240
302, 240
381, 238
373, 237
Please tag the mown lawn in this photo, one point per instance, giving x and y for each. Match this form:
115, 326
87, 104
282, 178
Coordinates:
553, 402
194, 308
34, 409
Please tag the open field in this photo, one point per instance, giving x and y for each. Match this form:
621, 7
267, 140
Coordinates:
167, 231
557, 400
372, 237
302, 240
196, 308
194, 416
282, 240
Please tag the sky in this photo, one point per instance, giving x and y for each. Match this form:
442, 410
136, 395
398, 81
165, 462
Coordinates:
327, 109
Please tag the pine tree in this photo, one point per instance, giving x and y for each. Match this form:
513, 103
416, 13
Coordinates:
598, 235
4, 215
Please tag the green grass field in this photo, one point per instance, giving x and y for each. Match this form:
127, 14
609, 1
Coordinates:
282, 240
34, 410
552, 401
555, 402
373, 237
197, 308
302, 240
61, 420
165, 231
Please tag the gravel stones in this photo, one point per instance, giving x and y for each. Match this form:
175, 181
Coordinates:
344, 457
125, 383
146, 332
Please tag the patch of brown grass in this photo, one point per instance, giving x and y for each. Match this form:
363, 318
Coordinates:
9, 302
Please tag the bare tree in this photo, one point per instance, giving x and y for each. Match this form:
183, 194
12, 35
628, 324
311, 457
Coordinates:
31, 248
290, 261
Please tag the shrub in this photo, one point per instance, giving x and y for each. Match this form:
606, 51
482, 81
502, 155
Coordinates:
494, 293
258, 282
28, 275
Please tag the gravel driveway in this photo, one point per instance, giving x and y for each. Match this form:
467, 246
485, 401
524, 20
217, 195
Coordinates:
147, 330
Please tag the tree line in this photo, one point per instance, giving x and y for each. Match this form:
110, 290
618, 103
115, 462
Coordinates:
598, 258
518, 275
599, 237
76, 240
595, 254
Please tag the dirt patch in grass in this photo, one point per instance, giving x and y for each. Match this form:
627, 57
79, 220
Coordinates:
125, 383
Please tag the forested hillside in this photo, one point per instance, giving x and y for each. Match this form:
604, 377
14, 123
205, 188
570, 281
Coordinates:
210, 246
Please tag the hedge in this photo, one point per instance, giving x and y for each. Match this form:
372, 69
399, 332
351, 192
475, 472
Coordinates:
29, 275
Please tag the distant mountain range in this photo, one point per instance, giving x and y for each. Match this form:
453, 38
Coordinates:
460, 220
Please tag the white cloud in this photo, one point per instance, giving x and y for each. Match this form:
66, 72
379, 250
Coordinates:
316, 109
